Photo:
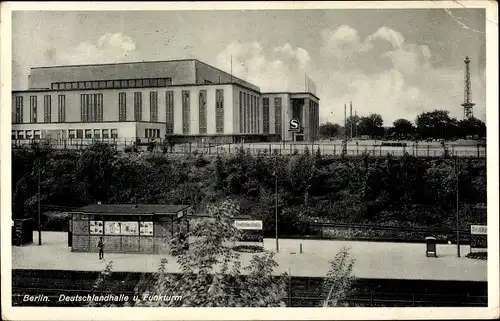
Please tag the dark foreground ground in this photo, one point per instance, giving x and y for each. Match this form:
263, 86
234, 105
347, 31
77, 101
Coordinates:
302, 291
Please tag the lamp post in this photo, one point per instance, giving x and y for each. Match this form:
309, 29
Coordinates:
276, 208
457, 168
39, 208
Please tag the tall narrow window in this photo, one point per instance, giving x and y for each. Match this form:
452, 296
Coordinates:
47, 109
249, 114
122, 106
33, 103
153, 106
241, 112
202, 105
244, 112
169, 112
257, 104
137, 106
61, 108
91, 107
100, 107
265, 115
219, 110
277, 115
19, 110
83, 108
252, 102
186, 112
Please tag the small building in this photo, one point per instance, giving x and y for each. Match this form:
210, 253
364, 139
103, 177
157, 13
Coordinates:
127, 228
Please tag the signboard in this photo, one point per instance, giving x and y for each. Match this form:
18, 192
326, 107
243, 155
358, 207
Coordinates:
146, 228
129, 228
294, 124
248, 225
121, 228
478, 237
96, 227
478, 229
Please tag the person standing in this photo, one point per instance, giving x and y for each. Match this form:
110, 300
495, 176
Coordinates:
100, 246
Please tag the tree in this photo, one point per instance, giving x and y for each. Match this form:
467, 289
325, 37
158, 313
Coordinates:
355, 121
211, 270
472, 127
403, 128
94, 169
436, 124
329, 130
339, 279
371, 125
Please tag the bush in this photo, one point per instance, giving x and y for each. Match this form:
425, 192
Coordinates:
477, 255
57, 222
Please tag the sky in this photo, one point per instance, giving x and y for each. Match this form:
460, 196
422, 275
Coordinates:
397, 63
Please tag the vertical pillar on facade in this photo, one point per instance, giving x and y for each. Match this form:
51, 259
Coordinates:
306, 122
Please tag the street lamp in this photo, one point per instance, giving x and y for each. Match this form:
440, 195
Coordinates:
457, 168
37, 164
275, 174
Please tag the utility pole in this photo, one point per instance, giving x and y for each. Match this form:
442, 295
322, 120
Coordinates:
356, 124
344, 142
39, 209
276, 208
457, 168
350, 117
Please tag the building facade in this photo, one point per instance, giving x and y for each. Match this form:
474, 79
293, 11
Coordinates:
183, 99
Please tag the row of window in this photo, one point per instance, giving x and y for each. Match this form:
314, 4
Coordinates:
249, 113
113, 84
72, 134
47, 109
92, 105
152, 133
91, 108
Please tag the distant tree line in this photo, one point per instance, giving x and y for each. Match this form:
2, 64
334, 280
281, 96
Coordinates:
311, 186
436, 124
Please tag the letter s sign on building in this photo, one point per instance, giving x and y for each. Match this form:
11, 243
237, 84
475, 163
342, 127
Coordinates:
294, 124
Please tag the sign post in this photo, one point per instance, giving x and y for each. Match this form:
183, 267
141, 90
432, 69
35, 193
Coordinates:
252, 230
478, 236
294, 127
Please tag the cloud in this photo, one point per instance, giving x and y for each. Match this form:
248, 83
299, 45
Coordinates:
384, 74
109, 48
380, 73
300, 54
276, 69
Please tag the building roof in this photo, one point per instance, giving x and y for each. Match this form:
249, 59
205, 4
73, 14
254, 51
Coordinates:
290, 93
131, 209
116, 63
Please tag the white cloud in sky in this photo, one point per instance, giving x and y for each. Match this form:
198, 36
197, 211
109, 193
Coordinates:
108, 48
381, 73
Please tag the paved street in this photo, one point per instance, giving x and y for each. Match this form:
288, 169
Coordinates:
373, 259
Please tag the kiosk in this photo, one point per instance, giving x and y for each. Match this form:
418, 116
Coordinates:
127, 228
430, 243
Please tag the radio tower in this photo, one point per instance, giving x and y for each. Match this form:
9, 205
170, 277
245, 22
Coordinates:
467, 92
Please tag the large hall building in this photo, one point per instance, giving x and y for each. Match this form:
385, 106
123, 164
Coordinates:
180, 100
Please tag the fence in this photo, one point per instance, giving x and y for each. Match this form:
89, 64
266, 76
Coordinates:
283, 148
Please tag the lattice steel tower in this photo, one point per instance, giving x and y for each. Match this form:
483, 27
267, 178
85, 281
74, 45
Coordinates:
467, 92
